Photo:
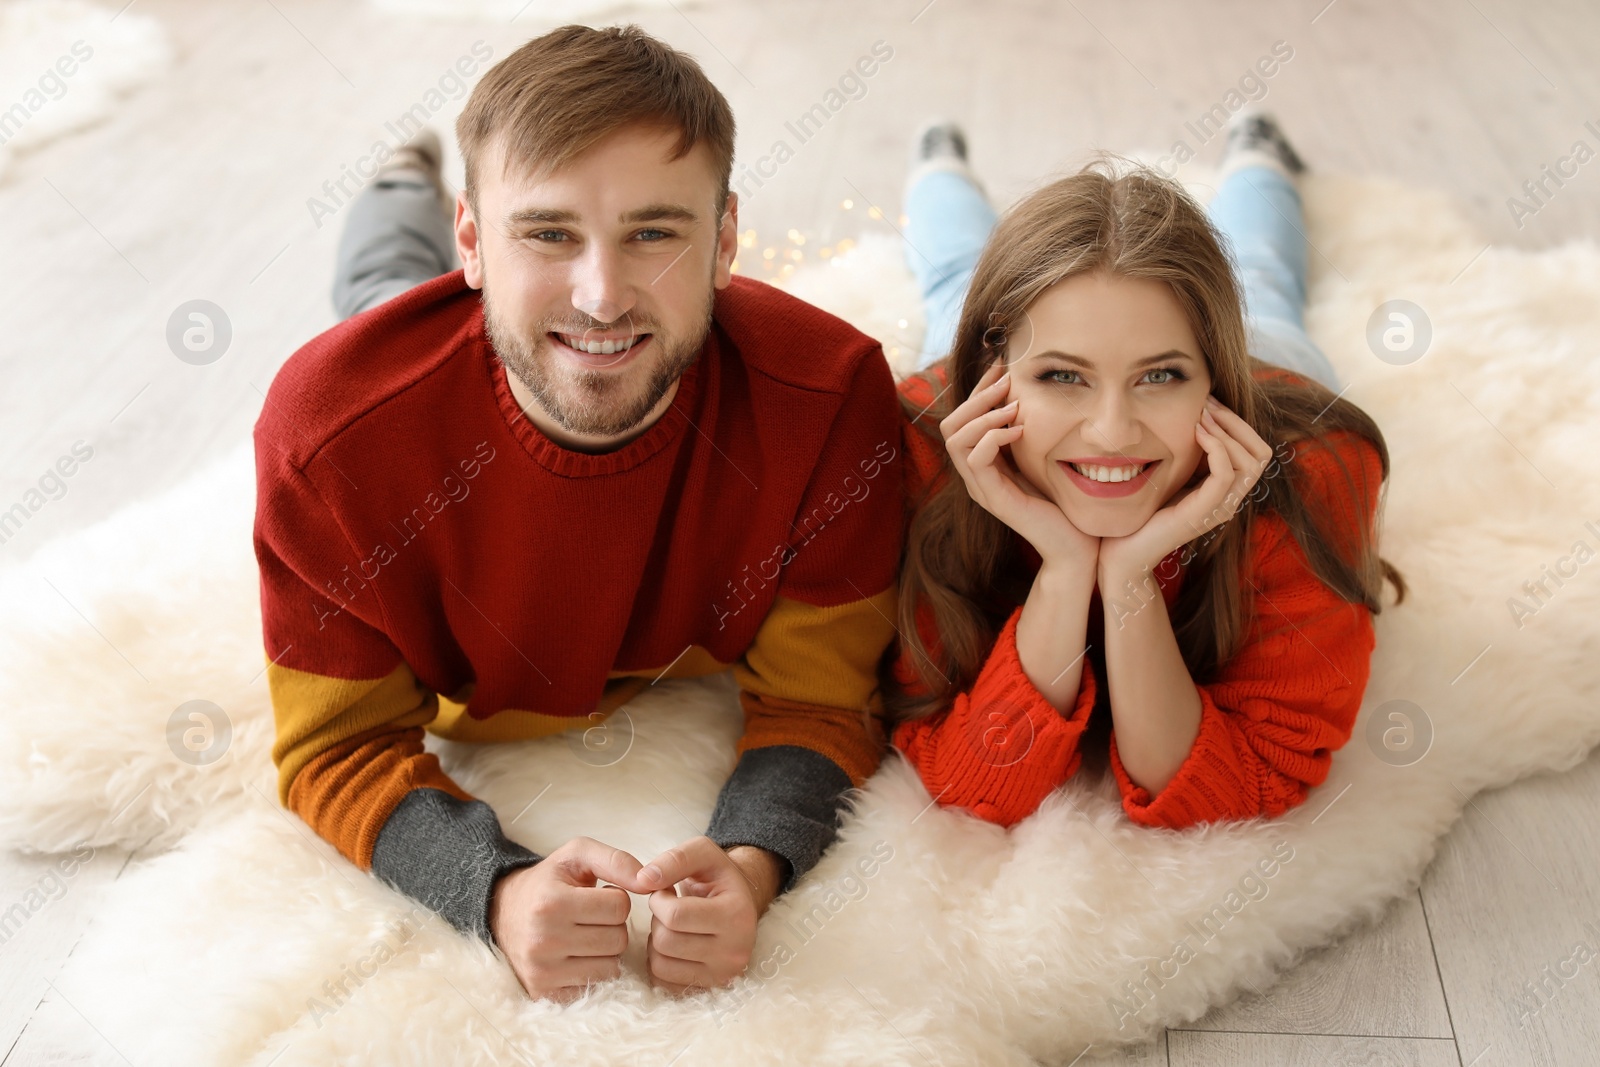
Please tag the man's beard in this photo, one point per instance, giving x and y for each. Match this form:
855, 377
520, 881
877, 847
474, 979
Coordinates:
589, 402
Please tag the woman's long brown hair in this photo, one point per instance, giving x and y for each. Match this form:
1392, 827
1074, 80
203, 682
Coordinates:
964, 565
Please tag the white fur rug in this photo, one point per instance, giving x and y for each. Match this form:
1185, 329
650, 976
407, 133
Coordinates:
924, 936
65, 63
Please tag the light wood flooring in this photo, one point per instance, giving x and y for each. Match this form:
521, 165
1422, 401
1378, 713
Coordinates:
198, 188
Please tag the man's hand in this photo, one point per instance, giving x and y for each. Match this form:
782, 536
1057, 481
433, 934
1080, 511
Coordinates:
703, 918
558, 928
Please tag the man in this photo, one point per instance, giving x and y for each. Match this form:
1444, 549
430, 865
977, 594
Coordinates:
501, 516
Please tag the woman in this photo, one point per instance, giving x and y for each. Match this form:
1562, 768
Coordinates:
1121, 499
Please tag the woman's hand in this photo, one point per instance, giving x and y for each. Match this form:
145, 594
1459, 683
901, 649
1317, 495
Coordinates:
974, 434
1237, 455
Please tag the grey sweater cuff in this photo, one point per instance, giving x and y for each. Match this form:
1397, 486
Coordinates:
785, 799
447, 854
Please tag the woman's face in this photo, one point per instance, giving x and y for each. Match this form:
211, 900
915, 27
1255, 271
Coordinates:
1107, 373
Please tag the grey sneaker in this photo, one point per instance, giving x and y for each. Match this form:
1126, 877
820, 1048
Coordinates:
939, 139
419, 159
1255, 136
939, 145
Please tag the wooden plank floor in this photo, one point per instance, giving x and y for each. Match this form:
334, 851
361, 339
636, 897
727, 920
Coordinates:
198, 188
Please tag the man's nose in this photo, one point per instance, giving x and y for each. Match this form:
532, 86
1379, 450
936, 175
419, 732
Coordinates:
602, 289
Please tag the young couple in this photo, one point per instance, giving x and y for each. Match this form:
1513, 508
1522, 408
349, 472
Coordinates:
499, 501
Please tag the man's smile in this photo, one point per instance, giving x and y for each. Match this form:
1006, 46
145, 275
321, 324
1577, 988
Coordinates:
597, 350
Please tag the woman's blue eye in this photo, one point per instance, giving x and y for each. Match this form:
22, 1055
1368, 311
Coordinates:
1174, 375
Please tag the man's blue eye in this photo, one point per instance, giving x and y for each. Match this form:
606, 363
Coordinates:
550, 235
658, 235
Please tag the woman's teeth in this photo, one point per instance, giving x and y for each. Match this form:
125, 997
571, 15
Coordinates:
598, 348
1109, 474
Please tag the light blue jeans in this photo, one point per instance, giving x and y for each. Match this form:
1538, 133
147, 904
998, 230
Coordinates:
1257, 209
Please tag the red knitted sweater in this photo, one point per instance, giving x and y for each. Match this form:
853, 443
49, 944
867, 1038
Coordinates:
1270, 720
430, 560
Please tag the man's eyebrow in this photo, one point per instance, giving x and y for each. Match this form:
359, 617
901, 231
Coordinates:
661, 213
1079, 361
542, 214
649, 213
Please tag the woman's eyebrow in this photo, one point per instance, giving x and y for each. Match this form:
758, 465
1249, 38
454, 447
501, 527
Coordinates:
1087, 364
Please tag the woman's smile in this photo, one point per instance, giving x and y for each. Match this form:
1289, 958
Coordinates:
1107, 481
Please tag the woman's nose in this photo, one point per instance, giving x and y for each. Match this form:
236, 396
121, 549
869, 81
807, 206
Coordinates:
1110, 423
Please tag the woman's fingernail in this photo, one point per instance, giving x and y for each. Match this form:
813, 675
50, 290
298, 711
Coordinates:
1212, 402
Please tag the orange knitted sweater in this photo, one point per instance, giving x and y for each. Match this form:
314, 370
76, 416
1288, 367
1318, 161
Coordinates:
1270, 720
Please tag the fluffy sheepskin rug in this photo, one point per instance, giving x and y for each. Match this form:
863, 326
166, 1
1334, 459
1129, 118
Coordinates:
924, 936
65, 63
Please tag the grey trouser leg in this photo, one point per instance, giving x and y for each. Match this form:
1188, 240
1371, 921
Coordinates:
398, 235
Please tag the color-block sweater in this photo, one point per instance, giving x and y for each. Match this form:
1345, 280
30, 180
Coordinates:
430, 560
1270, 720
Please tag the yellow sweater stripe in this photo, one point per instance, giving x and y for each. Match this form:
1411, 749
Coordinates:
804, 658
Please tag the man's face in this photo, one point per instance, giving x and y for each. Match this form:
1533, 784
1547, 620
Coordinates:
1107, 372
598, 278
